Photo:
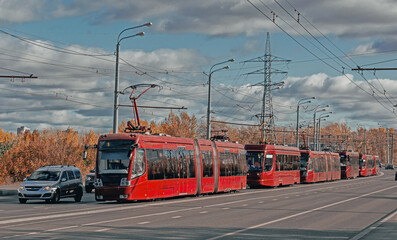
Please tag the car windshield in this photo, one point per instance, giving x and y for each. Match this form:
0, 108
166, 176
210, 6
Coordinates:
44, 176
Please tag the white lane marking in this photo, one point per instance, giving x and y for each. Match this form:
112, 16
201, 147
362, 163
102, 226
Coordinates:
204, 212
143, 223
275, 199
176, 216
375, 226
286, 197
244, 205
102, 230
141, 216
261, 202
15, 236
61, 228
391, 216
298, 214
225, 208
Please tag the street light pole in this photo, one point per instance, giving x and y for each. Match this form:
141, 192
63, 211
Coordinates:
297, 117
322, 117
316, 110
209, 94
116, 78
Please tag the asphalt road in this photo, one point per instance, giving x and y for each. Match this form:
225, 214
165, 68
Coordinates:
363, 208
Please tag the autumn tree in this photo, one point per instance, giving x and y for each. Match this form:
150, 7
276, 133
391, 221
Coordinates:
179, 126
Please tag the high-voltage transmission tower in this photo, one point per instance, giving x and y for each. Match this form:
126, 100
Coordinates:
266, 117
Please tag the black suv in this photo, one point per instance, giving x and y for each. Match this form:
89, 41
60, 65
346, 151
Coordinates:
389, 166
51, 183
89, 181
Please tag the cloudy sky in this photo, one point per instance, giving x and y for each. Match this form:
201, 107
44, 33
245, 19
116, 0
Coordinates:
70, 46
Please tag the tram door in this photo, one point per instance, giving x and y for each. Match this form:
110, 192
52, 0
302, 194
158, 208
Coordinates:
183, 169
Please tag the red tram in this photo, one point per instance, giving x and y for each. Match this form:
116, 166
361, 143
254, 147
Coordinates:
272, 165
318, 166
349, 162
133, 166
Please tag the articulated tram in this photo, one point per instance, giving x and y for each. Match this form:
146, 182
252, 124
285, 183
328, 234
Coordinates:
132, 166
319, 166
367, 165
349, 162
272, 165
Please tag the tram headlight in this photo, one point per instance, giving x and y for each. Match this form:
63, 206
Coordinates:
98, 183
124, 182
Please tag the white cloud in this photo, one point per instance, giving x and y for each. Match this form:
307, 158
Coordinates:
354, 19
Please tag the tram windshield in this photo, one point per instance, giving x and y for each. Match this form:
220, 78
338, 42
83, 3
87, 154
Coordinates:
258, 161
343, 160
114, 156
362, 163
304, 160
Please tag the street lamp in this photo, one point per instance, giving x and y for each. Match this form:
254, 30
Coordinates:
116, 78
316, 110
209, 93
365, 140
322, 117
297, 116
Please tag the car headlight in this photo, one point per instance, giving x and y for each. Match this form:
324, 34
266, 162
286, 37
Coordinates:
21, 188
47, 188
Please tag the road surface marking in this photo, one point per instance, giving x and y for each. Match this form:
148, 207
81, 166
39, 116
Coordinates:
142, 223
298, 214
102, 230
177, 217
204, 212
61, 228
140, 216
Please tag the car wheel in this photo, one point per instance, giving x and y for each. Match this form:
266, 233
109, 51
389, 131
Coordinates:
88, 189
22, 200
56, 197
79, 195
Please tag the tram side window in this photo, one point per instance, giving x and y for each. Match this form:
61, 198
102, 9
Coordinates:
225, 164
277, 163
171, 163
191, 163
234, 167
155, 164
208, 166
138, 167
182, 161
268, 162
323, 164
241, 163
